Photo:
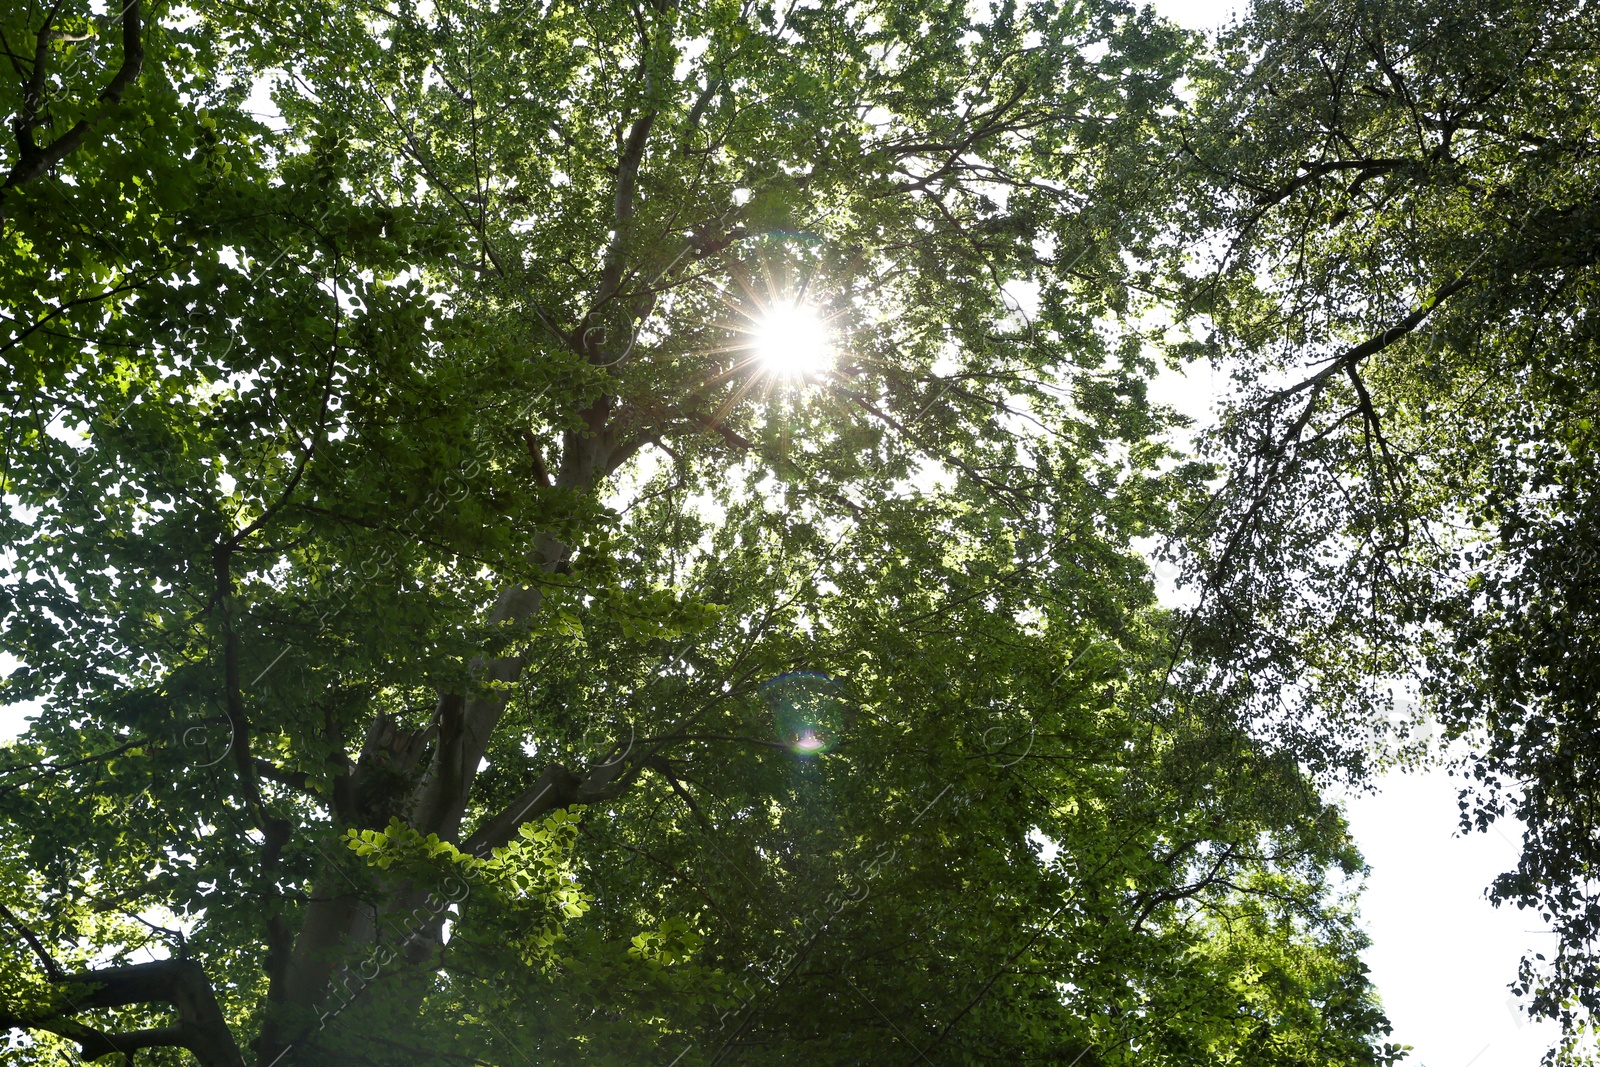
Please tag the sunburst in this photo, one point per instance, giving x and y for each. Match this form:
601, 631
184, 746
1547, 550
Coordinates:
791, 340
777, 336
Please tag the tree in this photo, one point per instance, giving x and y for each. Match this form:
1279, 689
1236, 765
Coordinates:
454, 643
1405, 199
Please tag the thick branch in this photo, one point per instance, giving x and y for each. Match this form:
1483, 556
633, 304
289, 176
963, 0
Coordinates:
556, 788
611, 271
46, 960
35, 160
95, 1044
553, 789
1377, 342
275, 830
1313, 171
201, 1027
299, 781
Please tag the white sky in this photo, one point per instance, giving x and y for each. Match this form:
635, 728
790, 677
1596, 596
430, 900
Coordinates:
1442, 956
1197, 14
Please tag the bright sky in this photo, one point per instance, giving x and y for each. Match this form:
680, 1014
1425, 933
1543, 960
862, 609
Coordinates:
1197, 14
1442, 956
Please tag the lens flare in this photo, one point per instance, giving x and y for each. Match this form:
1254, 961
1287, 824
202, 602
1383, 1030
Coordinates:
792, 341
808, 741
807, 709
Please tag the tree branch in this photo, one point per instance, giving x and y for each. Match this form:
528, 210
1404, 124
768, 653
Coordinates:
51, 967
556, 788
181, 983
36, 160
1377, 342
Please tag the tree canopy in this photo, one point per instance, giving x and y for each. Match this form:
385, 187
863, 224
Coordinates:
1406, 289
458, 637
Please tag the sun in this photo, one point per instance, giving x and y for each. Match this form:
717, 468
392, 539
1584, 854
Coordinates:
791, 340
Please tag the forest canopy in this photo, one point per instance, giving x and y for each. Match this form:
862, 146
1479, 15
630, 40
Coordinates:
621, 532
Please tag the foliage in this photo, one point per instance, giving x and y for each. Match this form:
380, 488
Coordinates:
1403, 197
388, 480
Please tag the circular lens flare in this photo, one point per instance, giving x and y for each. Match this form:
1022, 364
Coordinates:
808, 709
792, 340
809, 742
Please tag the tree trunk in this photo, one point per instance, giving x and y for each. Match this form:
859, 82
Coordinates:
337, 926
